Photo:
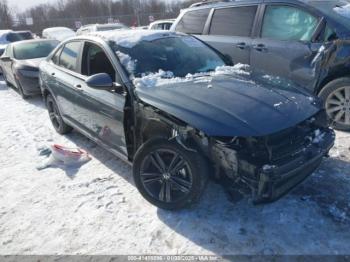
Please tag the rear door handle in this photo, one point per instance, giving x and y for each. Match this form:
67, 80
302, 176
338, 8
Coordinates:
241, 45
53, 74
260, 48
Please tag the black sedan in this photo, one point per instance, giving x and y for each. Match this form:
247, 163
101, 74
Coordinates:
20, 64
178, 109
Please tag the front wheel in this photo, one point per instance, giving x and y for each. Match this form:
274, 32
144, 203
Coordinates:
169, 176
55, 116
336, 97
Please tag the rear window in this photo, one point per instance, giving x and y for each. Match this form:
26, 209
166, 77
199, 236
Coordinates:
233, 21
69, 55
15, 37
193, 22
33, 50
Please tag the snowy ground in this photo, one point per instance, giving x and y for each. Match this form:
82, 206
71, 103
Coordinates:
97, 209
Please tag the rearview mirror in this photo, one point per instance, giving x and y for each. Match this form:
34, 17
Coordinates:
6, 59
100, 81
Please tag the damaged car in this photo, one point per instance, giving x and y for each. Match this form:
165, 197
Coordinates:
180, 112
306, 41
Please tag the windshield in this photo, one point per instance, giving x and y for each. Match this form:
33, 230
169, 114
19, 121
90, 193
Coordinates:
15, 37
33, 50
180, 55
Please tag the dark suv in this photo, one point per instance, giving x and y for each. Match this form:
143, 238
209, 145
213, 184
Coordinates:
304, 40
179, 112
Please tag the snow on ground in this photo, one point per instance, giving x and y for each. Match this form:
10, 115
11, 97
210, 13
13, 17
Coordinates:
97, 210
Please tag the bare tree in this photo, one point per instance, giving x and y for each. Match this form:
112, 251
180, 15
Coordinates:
6, 21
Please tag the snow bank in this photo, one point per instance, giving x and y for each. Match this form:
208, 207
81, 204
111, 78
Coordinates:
343, 11
167, 77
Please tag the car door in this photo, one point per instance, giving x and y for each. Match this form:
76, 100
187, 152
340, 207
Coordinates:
285, 46
230, 31
66, 79
101, 112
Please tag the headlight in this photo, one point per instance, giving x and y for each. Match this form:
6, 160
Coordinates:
28, 73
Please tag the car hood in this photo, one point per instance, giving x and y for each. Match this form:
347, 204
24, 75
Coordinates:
230, 106
31, 62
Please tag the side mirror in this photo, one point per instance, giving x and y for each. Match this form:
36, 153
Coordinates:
6, 59
101, 81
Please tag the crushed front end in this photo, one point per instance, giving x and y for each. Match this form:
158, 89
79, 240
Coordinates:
272, 165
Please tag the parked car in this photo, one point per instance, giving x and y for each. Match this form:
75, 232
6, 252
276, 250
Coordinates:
161, 24
306, 41
20, 64
9, 36
175, 108
100, 27
58, 33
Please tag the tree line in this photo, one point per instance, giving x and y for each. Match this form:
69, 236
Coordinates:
69, 13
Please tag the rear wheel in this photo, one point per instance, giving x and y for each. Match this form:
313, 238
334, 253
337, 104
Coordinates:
55, 116
169, 176
336, 96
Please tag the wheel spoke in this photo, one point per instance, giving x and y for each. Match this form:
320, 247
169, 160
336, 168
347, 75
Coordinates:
335, 109
181, 184
339, 115
158, 162
347, 118
151, 180
162, 192
334, 102
347, 93
168, 191
339, 96
173, 162
180, 164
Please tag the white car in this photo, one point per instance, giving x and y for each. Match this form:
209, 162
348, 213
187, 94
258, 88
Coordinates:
100, 27
58, 33
161, 24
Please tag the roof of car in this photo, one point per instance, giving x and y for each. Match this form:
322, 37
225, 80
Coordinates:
220, 3
129, 38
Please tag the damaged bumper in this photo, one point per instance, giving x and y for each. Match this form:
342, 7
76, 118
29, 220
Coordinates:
275, 181
270, 180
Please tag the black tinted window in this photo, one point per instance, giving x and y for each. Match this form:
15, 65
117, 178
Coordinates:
95, 61
193, 22
235, 21
69, 56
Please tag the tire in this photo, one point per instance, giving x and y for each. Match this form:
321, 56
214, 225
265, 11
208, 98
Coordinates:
185, 181
336, 98
56, 118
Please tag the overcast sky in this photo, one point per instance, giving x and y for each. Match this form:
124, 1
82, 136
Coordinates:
21, 5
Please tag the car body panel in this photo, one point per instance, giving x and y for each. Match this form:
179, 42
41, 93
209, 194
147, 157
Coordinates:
227, 107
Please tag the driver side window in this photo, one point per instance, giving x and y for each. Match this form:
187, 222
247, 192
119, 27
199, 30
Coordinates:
96, 61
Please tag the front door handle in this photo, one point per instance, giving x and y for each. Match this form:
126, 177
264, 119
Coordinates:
241, 45
78, 87
260, 48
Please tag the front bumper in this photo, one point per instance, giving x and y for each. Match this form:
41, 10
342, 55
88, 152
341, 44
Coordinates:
277, 180
30, 85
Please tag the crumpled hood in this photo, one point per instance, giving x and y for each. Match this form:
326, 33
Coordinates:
229, 106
